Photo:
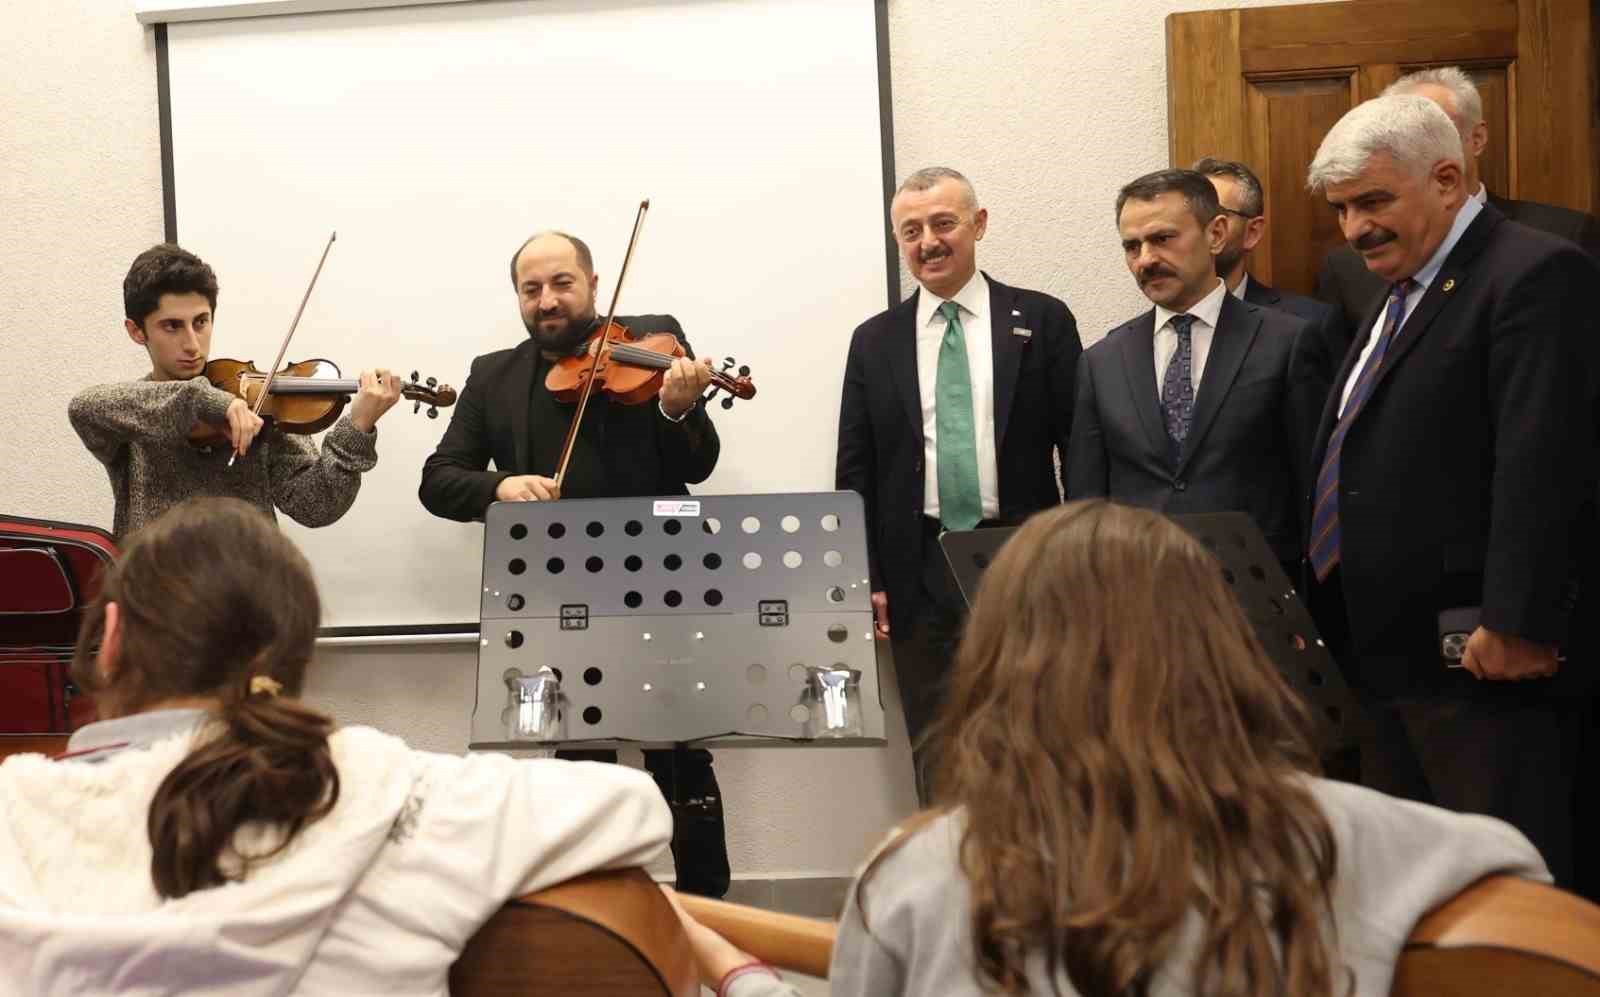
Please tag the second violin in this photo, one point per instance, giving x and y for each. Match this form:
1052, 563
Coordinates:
630, 368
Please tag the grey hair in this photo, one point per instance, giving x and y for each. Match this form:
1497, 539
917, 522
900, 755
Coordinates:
1413, 130
929, 176
1464, 96
1254, 200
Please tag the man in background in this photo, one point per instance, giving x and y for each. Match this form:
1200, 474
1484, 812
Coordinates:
1244, 206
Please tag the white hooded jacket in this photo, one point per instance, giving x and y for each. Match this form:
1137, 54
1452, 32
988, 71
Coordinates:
377, 897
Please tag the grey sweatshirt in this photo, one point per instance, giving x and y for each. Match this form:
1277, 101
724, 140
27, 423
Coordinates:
1397, 861
139, 430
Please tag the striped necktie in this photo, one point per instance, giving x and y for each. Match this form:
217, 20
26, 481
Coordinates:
1325, 510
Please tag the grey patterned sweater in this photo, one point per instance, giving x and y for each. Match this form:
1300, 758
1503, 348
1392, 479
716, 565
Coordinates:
139, 430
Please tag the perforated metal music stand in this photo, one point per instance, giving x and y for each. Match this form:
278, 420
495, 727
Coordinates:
733, 619
1273, 607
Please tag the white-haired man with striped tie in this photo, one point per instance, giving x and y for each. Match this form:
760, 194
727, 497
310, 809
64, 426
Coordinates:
1455, 480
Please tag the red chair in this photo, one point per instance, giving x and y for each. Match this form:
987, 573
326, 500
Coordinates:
49, 573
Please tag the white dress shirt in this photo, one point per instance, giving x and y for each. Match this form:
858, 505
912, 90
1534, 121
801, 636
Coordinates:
977, 328
1205, 312
1244, 286
1423, 278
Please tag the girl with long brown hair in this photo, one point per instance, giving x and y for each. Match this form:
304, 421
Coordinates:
211, 834
1126, 803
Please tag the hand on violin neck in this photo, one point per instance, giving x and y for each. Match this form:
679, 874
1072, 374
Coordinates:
685, 381
242, 425
379, 391
527, 488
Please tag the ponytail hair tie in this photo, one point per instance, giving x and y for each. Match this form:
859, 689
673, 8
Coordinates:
266, 684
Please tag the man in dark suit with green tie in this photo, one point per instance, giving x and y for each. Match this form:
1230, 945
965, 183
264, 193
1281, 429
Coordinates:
955, 404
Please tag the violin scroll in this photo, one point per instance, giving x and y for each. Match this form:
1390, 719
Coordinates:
429, 392
736, 386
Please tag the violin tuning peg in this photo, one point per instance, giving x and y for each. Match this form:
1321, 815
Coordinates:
727, 402
432, 382
727, 363
416, 408
433, 413
413, 377
744, 371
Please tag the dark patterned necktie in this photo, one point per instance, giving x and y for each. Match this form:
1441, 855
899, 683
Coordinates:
1177, 388
1325, 510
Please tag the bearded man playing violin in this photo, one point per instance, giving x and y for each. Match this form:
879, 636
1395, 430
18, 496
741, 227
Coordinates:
507, 414
141, 430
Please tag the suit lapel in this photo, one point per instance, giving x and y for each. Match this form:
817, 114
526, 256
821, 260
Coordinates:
1257, 293
1007, 353
1236, 330
1139, 366
519, 386
902, 360
1439, 292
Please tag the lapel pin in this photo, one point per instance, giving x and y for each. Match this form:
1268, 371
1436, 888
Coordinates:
1449, 285
1024, 333
1015, 313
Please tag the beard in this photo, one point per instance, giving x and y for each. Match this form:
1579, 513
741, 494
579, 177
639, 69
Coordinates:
1228, 259
566, 338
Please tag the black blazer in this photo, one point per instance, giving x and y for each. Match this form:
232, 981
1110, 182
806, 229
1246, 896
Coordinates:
1322, 349
880, 425
1468, 478
1354, 291
655, 456
1246, 446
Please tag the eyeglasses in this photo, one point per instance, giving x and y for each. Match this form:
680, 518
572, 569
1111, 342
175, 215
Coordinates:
1242, 214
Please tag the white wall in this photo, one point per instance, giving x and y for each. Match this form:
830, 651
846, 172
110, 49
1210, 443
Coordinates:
1048, 105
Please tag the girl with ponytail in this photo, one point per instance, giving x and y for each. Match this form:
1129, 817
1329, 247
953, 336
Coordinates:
213, 834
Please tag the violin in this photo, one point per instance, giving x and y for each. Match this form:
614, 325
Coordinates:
304, 397
630, 368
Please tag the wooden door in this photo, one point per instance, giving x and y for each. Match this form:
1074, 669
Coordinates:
1264, 85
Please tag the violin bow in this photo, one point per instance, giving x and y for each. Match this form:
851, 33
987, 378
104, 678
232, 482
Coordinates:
594, 363
283, 347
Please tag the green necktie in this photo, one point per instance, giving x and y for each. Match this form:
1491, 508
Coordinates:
960, 504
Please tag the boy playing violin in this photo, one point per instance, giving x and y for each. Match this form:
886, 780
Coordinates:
140, 429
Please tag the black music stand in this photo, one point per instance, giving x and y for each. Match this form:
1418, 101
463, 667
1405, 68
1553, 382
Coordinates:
1269, 600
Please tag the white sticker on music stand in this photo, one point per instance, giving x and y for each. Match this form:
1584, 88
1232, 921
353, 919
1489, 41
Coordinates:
677, 507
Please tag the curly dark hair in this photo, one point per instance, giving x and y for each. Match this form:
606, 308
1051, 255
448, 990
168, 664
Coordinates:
165, 269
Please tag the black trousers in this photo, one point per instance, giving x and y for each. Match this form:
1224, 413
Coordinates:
1501, 749
699, 838
924, 644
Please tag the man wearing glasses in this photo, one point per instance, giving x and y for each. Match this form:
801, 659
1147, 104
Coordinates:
1244, 206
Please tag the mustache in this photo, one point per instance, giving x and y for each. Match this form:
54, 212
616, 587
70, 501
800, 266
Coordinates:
1151, 273
937, 254
1374, 239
